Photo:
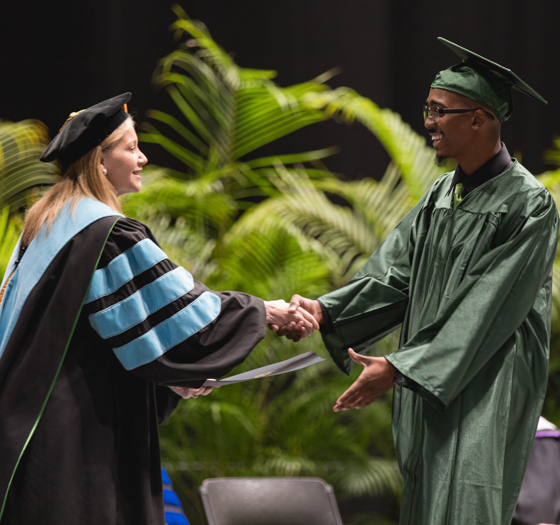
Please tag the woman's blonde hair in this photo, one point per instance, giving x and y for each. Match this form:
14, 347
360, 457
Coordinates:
84, 178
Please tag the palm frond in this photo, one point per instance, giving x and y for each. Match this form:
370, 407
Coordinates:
294, 158
551, 180
21, 145
552, 155
347, 234
10, 229
408, 151
368, 478
276, 263
227, 112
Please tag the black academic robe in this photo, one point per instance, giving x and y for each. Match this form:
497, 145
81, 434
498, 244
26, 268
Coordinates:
84, 362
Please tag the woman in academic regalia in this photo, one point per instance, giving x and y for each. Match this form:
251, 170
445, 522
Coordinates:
95, 324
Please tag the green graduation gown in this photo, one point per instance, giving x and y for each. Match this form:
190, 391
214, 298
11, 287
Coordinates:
472, 290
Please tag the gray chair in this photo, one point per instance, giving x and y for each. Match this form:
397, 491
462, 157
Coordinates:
269, 501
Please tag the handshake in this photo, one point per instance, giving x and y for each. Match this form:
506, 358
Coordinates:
296, 319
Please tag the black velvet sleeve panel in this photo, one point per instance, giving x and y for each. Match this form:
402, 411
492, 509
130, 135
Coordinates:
216, 349
210, 352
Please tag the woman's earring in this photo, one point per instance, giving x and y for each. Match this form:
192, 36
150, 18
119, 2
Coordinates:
104, 171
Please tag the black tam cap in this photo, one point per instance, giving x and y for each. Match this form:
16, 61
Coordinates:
86, 129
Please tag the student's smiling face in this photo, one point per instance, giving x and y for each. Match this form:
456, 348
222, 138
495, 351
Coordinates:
451, 133
124, 163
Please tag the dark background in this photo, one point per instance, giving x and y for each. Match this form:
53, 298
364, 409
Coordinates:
59, 56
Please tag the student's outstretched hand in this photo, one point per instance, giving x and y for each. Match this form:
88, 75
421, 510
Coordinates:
281, 316
303, 306
376, 379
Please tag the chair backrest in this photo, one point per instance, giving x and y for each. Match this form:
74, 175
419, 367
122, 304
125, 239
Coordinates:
269, 501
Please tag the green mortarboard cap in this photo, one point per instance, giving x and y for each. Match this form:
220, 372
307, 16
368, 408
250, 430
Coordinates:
86, 129
482, 80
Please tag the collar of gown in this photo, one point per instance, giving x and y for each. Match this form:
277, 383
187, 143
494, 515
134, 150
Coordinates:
488, 170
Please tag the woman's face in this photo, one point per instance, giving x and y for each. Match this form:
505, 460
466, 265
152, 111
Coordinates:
124, 164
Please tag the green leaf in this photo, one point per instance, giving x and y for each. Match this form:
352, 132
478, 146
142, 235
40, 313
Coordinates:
10, 230
21, 146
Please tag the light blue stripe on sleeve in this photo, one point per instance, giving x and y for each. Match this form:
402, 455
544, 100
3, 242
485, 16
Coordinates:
131, 311
132, 262
153, 344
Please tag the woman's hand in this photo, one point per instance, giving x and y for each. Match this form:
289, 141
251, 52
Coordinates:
187, 393
300, 322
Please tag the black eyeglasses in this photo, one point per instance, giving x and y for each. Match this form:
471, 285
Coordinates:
433, 113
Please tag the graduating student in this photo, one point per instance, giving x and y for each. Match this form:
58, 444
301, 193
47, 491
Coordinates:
468, 275
95, 324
